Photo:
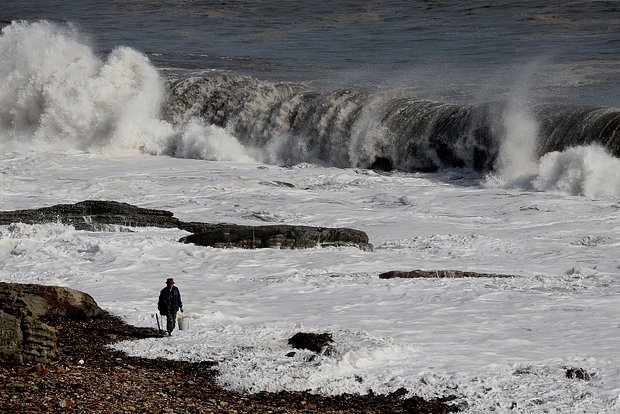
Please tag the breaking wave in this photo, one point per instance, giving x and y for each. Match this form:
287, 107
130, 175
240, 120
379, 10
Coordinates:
539, 147
58, 95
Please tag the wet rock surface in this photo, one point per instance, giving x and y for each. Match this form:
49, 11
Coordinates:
312, 341
86, 376
393, 274
578, 373
98, 215
278, 236
92, 215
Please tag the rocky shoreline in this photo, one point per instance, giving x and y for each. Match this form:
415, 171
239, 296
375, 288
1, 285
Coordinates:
80, 373
54, 343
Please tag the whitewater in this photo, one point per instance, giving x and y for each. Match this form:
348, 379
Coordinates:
75, 125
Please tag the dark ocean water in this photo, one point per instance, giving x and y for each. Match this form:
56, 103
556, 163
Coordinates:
567, 52
412, 85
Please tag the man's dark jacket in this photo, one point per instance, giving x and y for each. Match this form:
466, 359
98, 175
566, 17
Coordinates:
169, 300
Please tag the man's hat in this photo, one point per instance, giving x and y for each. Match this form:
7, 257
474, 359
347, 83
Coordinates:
169, 281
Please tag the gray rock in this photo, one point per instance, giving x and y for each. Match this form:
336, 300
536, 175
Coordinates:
37, 301
39, 341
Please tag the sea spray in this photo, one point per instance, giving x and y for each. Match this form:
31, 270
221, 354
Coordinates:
57, 92
58, 95
206, 142
586, 170
589, 171
516, 163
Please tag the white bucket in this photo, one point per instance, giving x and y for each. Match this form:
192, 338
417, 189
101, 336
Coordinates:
183, 323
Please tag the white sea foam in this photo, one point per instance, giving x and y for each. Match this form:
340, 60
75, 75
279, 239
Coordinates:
490, 341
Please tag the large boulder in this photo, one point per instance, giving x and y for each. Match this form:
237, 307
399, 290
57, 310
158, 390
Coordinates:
23, 334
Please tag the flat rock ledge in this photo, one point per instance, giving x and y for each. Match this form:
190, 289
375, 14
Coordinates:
79, 372
92, 215
278, 236
393, 274
101, 215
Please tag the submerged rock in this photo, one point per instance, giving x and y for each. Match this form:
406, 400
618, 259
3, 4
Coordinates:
312, 341
578, 373
435, 274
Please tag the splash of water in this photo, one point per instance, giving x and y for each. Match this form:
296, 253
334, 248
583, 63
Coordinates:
206, 142
58, 95
516, 163
585, 170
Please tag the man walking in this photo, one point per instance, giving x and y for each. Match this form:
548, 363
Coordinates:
169, 304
